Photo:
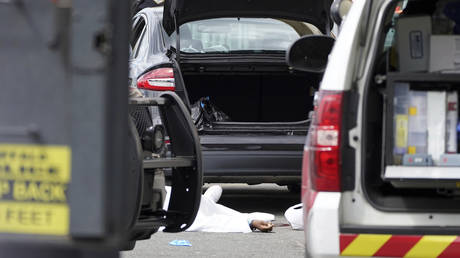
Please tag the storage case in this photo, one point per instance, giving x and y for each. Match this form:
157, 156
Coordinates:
412, 34
418, 131
432, 92
444, 53
436, 123
451, 123
401, 118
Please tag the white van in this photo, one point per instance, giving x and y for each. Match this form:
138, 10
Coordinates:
381, 168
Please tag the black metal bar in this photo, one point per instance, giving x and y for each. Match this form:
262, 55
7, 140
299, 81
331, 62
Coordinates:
424, 77
186, 181
169, 162
158, 101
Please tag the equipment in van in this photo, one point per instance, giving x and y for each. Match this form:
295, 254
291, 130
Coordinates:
424, 122
412, 35
444, 53
451, 122
436, 123
431, 108
417, 160
401, 106
450, 160
417, 136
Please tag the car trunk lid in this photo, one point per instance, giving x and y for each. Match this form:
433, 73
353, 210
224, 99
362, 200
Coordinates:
178, 12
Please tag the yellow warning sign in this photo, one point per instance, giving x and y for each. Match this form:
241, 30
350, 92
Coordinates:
34, 218
33, 189
35, 162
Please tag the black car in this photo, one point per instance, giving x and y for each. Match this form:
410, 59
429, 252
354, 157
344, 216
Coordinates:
250, 108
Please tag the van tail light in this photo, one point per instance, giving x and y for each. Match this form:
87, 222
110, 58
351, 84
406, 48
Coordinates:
308, 195
322, 164
161, 79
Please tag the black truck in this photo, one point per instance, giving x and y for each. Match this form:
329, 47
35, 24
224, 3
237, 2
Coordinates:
67, 124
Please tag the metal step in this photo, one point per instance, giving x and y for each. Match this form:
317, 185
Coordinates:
423, 177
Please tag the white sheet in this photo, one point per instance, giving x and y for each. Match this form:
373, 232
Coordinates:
214, 217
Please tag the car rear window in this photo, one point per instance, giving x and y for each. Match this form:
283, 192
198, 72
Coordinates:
233, 35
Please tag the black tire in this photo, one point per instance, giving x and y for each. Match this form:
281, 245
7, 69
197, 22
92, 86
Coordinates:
134, 186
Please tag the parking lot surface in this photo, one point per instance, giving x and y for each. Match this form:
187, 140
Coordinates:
282, 242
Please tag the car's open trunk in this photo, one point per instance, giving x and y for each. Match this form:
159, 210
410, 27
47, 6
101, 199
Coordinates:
253, 95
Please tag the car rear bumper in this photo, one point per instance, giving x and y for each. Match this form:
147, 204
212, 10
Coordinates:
252, 159
388, 245
322, 226
326, 238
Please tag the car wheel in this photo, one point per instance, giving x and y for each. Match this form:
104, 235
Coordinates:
134, 185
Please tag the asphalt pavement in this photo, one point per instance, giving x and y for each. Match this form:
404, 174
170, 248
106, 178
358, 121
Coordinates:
282, 242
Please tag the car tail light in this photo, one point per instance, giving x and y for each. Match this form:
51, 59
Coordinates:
321, 166
161, 79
